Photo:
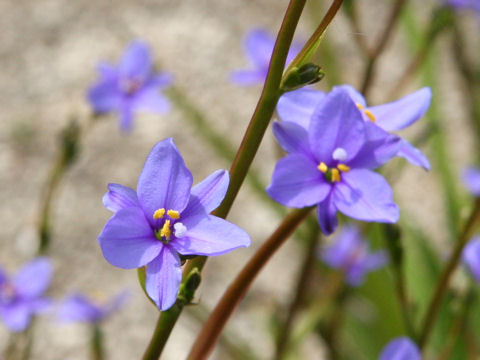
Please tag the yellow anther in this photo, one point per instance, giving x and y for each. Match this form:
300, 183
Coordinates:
370, 115
322, 167
343, 167
165, 232
359, 106
335, 175
158, 214
173, 214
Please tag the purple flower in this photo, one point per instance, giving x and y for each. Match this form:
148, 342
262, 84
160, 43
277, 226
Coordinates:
471, 257
166, 217
79, 308
465, 4
401, 348
130, 87
329, 164
259, 45
471, 178
298, 106
350, 253
22, 295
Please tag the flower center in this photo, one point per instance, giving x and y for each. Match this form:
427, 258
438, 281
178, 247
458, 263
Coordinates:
367, 112
332, 174
7, 293
170, 217
131, 86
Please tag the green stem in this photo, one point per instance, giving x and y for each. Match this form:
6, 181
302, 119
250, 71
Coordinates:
96, 345
213, 327
443, 282
245, 154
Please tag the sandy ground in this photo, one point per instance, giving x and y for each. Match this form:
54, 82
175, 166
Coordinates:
48, 52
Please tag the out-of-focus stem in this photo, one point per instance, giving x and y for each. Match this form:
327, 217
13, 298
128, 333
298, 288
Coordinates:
384, 37
96, 344
443, 282
300, 291
245, 155
238, 288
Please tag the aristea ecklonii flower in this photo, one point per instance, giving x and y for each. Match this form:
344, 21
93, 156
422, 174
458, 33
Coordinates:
401, 348
298, 106
471, 257
79, 308
471, 179
350, 253
22, 295
259, 46
329, 164
130, 87
166, 217
465, 4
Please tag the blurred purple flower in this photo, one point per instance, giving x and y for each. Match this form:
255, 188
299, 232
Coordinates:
471, 257
298, 107
465, 4
329, 164
22, 295
259, 45
471, 178
130, 87
166, 217
401, 348
350, 253
79, 308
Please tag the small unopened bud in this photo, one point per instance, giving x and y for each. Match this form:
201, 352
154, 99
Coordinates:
304, 75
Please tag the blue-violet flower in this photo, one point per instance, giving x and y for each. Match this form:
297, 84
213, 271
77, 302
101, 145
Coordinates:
298, 106
21, 296
471, 257
79, 308
471, 179
350, 253
130, 87
259, 45
465, 4
329, 164
166, 217
401, 348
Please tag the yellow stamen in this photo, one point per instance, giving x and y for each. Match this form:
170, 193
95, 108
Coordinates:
343, 167
165, 231
335, 175
158, 214
370, 115
174, 214
322, 167
359, 106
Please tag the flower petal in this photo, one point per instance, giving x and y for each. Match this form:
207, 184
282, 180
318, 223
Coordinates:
163, 277
292, 137
336, 123
125, 114
471, 179
379, 148
354, 94
127, 240
34, 278
119, 197
136, 62
413, 155
16, 316
78, 308
105, 96
259, 45
150, 99
248, 77
165, 181
365, 195
208, 194
471, 257
402, 113
401, 348
107, 71
210, 235
346, 242
298, 106
296, 182
160, 80
327, 215
359, 269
